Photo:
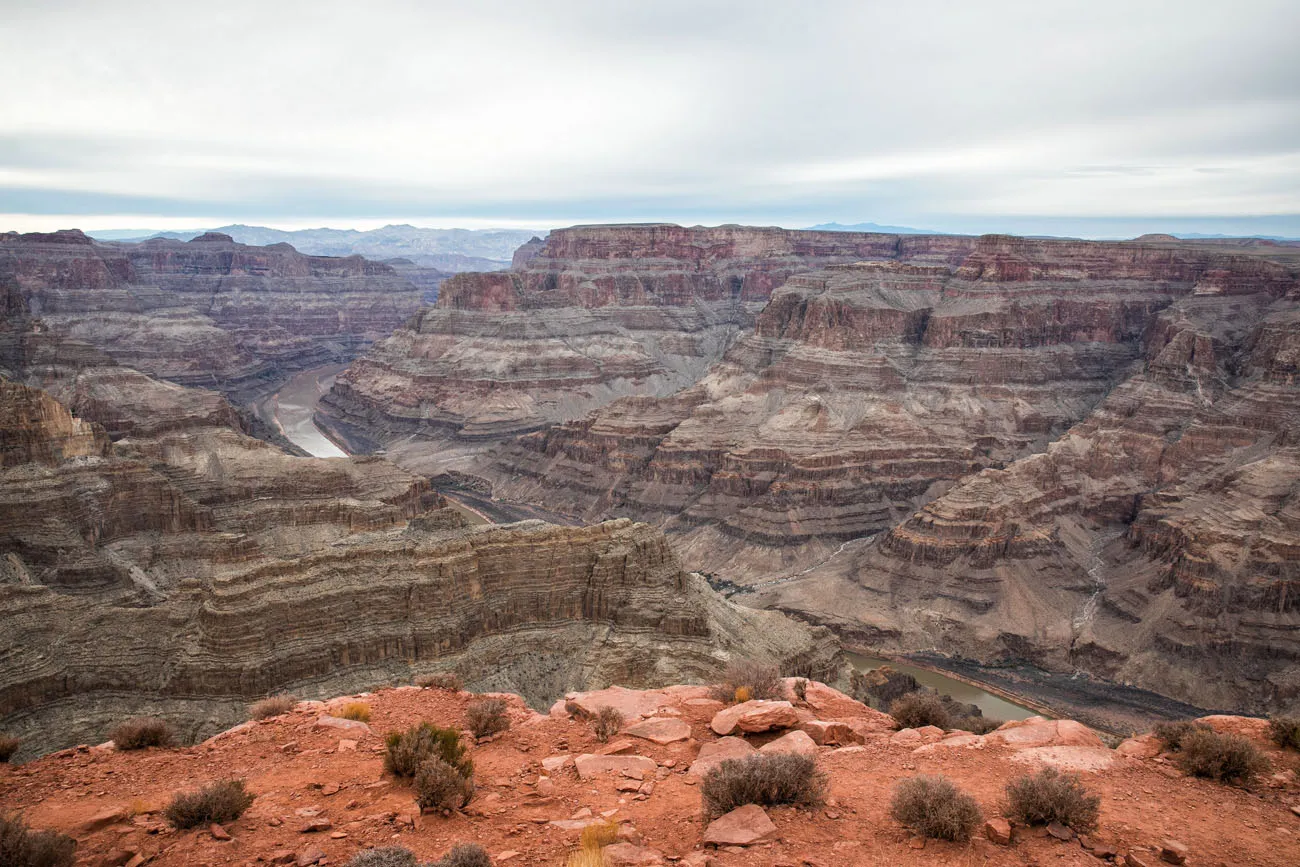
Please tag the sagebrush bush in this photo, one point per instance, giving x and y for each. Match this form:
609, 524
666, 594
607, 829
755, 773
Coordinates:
8, 746
141, 732
271, 706
20, 846
219, 802
746, 679
780, 778
355, 710
1171, 734
1284, 730
1051, 796
486, 717
1228, 758
441, 680
917, 709
385, 856
607, 723
441, 786
934, 807
465, 855
409, 748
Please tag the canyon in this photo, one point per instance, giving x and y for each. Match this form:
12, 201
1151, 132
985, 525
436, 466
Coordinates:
1075, 454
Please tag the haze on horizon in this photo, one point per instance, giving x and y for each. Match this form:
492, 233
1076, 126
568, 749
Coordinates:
1099, 118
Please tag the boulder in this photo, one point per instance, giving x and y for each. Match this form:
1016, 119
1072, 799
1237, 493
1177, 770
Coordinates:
1039, 732
347, 725
716, 752
1146, 746
791, 742
743, 826
755, 716
590, 766
829, 732
660, 730
633, 704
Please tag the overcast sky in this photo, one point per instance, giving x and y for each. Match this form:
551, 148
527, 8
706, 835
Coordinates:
1104, 117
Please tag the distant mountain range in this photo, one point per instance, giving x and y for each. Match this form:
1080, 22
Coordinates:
871, 227
451, 250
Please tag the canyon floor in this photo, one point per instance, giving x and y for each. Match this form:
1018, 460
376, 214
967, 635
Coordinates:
531, 803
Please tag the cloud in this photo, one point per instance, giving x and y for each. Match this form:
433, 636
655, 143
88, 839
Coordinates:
937, 113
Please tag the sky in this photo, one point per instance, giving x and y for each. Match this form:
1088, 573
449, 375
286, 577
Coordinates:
1098, 118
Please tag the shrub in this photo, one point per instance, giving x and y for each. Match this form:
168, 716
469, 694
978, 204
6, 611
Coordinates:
978, 725
607, 723
487, 717
1225, 757
934, 807
1285, 731
385, 856
219, 802
1051, 796
465, 855
355, 710
917, 709
599, 835
441, 786
1171, 734
20, 846
746, 679
408, 749
141, 732
8, 746
801, 688
780, 778
441, 680
272, 706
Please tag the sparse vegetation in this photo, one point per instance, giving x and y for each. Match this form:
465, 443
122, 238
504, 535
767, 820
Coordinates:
441, 680
20, 846
1171, 734
934, 807
780, 778
465, 855
1051, 796
1284, 730
1228, 758
801, 688
599, 835
408, 749
271, 706
385, 856
978, 725
747, 679
486, 717
608, 722
141, 732
441, 786
917, 709
219, 802
355, 710
8, 746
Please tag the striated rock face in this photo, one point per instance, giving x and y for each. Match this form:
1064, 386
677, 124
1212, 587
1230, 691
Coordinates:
594, 314
205, 312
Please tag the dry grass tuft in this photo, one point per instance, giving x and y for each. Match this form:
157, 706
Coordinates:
607, 723
20, 846
355, 710
934, 807
219, 802
487, 717
141, 732
599, 835
385, 856
1051, 796
781, 778
274, 705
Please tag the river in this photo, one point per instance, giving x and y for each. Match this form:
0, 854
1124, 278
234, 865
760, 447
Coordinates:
992, 706
291, 409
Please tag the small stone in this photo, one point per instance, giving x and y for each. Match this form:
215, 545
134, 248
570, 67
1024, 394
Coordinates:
584, 813
743, 826
314, 825
1173, 852
1061, 832
275, 821
289, 747
917, 843
347, 746
545, 787
999, 831
628, 786
330, 789
338, 835
218, 832
308, 857
283, 856
1133, 859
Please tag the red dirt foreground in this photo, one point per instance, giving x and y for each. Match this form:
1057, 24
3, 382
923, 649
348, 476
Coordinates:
322, 794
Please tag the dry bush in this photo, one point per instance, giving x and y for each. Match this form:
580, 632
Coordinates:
141, 732
780, 778
1285, 731
978, 725
1051, 796
1228, 758
1171, 734
607, 723
8, 746
917, 709
934, 807
20, 846
801, 688
746, 679
441, 786
487, 717
355, 710
442, 680
599, 835
408, 749
465, 855
385, 856
271, 706
219, 802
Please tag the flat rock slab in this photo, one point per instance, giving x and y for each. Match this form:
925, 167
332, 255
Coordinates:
630, 855
791, 742
590, 765
346, 725
1039, 732
716, 752
743, 826
660, 730
631, 703
755, 716
1067, 758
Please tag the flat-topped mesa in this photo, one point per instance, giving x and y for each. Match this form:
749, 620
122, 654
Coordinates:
208, 311
594, 314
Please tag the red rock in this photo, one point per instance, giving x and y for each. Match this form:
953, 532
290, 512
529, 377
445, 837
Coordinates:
629, 855
755, 716
791, 742
283, 856
333, 722
825, 733
1173, 852
618, 747
1135, 859
101, 820
117, 858
743, 826
590, 766
998, 830
218, 832
315, 825
308, 857
1059, 831
347, 746
660, 730
716, 752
